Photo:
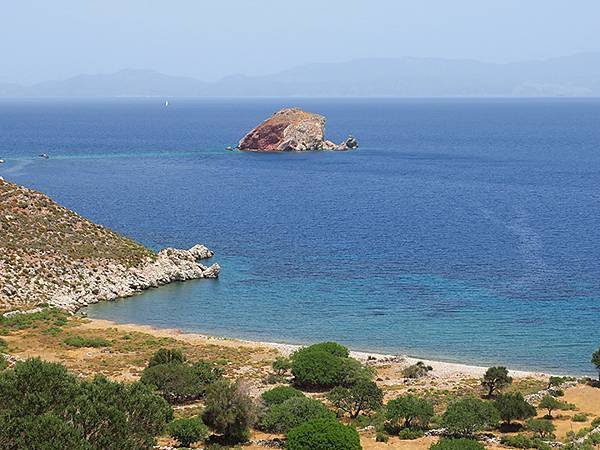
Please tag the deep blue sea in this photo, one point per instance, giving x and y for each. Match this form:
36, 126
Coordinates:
463, 230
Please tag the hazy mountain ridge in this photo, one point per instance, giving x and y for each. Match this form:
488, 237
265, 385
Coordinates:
577, 75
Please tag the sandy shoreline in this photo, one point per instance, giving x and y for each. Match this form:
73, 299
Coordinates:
441, 369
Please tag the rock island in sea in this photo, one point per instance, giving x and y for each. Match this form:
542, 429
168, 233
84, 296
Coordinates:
292, 129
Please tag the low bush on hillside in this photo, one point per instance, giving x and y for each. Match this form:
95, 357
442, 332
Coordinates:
176, 380
512, 406
43, 318
580, 417
292, 413
279, 395
418, 370
541, 427
42, 406
323, 434
92, 342
457, 444
524, 441
187, 431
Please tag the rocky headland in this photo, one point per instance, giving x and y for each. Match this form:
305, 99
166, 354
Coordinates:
292, 129
49, 254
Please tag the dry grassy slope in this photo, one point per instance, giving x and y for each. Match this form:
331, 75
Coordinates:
41, 241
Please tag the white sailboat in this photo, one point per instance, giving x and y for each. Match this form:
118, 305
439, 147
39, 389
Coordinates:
166, 103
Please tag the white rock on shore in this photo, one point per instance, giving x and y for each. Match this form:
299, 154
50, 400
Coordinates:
117, 281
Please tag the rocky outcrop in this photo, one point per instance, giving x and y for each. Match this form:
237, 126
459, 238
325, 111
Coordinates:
49, 254
115, 281
292, 129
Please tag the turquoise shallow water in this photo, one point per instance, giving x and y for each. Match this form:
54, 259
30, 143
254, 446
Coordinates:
464, 230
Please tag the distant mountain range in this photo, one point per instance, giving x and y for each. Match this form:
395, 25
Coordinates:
569, 76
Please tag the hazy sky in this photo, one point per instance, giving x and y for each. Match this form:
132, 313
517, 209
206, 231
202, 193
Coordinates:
207, 39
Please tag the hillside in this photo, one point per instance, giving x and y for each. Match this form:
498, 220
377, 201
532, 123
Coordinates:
49, 254
569, 76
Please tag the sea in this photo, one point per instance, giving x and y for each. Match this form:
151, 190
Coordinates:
463, 230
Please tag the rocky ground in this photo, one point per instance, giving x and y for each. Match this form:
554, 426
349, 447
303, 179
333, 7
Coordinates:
292, 129
49, 254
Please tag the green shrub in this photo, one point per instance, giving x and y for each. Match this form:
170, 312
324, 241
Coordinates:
580, 417
596, 361
3, 363
229, 410
316, 369
513, 407
177, 383
3, 345
408, 411
457, 444
279, 395
206, 372
381, 437
363, 396
167, 356
418, 370
44, 407
542, 427
523, 441
407, 434
79, 341
333, 348
281, 365
466, 416
596, 422
323, 434
292, 413
187, 431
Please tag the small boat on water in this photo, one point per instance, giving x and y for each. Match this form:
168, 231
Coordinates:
44, 156
166, 103
229, 148
2, 161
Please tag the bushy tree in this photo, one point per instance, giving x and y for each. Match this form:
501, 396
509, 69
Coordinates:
542, 427
175, 382
363, 396
175, 379
45, 432
281, 365
279, 395
42, 406
229, 410
457, 444
408, 411
495, 378
465, 417
323, 434
36, 387
116, 416
167, 356
513, 407
333, 348
187, 430
326, 365
292, 413
596, 361
550, 403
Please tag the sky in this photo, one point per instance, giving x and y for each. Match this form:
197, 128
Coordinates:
208, 39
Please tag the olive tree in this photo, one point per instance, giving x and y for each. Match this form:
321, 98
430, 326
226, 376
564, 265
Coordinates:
495, 378
363, 396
